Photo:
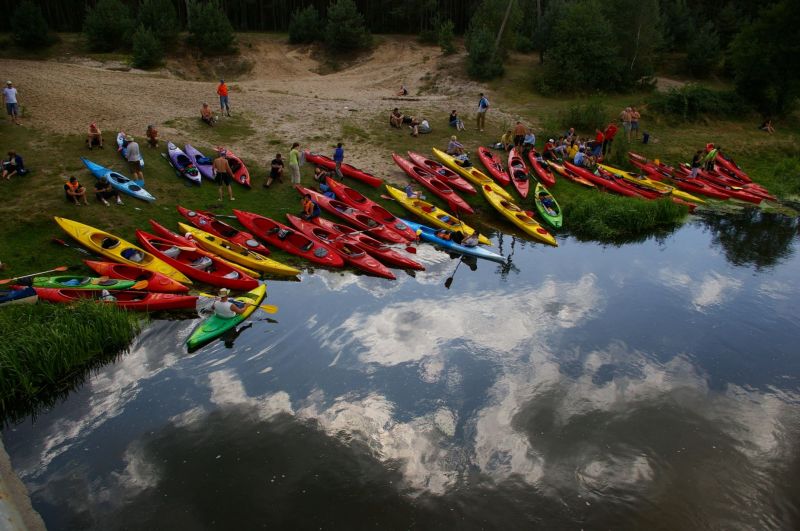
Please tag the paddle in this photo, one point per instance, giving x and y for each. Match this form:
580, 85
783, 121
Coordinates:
449, 281
59, 268
269, 308
65, 244
142, 284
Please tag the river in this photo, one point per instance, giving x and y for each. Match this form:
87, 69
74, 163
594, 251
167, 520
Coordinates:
648, 385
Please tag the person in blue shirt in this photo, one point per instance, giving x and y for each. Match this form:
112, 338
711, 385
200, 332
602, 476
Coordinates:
338, 158
580, 158
483, 106
13, 166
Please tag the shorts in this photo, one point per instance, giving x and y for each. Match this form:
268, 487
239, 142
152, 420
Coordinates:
626, 126
223, 179
519, 139
223, 101
634, 126
108, 194
12, 109
135, 165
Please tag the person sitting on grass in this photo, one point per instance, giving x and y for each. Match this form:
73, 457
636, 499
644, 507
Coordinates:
152, 136
767, 126
75, 192
275, 171
547, 151
507, 140
94, 136
455, 121
403, 91
103, 191
13, 166
226, 308
206, 115
311, 209
420, 127
454, 147
395, 118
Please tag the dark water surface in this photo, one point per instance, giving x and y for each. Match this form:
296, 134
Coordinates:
652, 385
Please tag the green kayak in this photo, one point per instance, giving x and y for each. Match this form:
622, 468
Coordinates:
214, 326
82, 282
551, 214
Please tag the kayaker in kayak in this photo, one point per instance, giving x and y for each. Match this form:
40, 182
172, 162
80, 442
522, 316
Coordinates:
223, 174
75, 192
94, 136
549, 204
472, 240
311, 210
225, 308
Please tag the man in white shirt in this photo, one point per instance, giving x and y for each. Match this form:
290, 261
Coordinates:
10, 99
134, 157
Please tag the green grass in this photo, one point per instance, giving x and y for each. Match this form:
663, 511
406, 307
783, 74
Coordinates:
48, 348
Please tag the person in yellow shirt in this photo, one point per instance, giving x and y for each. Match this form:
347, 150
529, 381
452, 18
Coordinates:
294, 163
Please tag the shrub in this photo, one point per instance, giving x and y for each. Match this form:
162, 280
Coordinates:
430, 34
703, 52
693, 102
483, 63
108, 26
209, 28
29, 28
524, 44
305, 26
587, 116
147, 49
160, 17
447, 37
345, 30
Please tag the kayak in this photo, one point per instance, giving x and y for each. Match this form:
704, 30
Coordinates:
471, 173
519, 173
182, 164
240, 173
195, 265
23, 295
432, 214
123, 150
606, 180
429, 235
552, 214
356, 200
696, 186
639, 188
118, 181
445, 174
350, 252
429, 181
724, 181
731, 167
288, 239
357, 218
518, 217
492, 162
237, 253
377, 249
650, 183
348, 170
733, 192
200, 161
562, 171
117, 249
155, 281
214, 326
656, 169
81, 282
144, 301
207, 222
540, 169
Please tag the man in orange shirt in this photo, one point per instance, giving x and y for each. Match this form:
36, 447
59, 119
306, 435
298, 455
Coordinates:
222, 91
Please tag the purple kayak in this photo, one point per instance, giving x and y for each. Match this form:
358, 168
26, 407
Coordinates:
183, 165
200, 161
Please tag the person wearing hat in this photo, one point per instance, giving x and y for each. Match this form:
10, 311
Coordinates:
547, 150
222, 92
75, 192
94, 137
223, 173
10, 99
134, 157
103, 191
152, 136
224, 307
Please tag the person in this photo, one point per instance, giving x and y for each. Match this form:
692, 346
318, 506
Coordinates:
294, 163
455, 121
75, 192
134, 255
608, 137
454, 147
225, 308
507, 140
519, 134
322, 178
134, 157
625, 118
547, 150
560, 149
222, 92
152, 136
472, 240
338, 158
106, 296
103, 191
570, 134
311, 209
395, 118
572, 149
549, 203
420, 127
580, 158
767, 126
696, 163
635, 122
529, 141
11, 100
94, 136
13, 166
710, 157
483, 107
403, 91
206, 115
275, 170
223, 174
597, 145
411, 193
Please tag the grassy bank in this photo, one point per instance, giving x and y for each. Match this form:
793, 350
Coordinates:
47, 348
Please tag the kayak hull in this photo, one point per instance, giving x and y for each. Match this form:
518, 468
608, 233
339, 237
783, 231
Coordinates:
429, 235
206, 169
182, 164
155, 281
24, 295
518, 217
494, 164
62, 282
206, 221
519, 173
443, 173
130, 300
554, 218
429, 181
214, 326
562, 171
118, 181
472, 174
542, 171
348, 170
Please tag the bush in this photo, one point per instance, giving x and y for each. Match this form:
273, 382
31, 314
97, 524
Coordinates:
524, 44
160, 17
693, 102
305, 26
29, 28
703, 52
209, 28
447, 37
108, 26
147, 49
483, 63
430, 34
345, 30
586, 116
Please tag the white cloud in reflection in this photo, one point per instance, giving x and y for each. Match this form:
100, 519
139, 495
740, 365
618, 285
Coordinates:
776, 290
227, 389
711, 290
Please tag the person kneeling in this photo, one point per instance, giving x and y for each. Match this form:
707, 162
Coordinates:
226, 308
103, 191
75, 192
206, 115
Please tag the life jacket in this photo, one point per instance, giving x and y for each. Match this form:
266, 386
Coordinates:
73, 186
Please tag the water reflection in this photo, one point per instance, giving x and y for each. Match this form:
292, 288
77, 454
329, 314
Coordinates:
752, 237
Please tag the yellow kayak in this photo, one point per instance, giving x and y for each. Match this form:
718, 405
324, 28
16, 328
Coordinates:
433, 215
237, 253
652, 184
472, 174
117, 249
518, 217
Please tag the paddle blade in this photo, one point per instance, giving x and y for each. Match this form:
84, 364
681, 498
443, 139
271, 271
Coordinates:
269, 308
448, 282
142, 284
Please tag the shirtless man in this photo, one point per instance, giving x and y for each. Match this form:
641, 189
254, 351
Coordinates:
223, 174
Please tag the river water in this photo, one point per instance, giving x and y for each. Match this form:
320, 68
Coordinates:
650, 385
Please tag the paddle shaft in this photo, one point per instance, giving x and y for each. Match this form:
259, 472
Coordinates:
59, 268
65, 244
449, 281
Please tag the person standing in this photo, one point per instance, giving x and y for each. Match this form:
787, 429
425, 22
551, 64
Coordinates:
294, 163
625, 118
519, 135
696, 163
275, 170
711, 156
223, 174
338, 158
635, 122
483, 106
134, 157
10, 99
222, 92
609, 134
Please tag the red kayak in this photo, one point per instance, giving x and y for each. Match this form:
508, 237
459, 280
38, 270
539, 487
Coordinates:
196, 265
562, 171
240, 173
144, 301
379, 250
733, 192
207, 222
644, 191
608, 181
443, 173
358, 218
726, 162
432, 183
726, 181
655, 171
346, 248
288, 239
494, 164
541, 169
519, 173
356, 200
696, 186
155, 281
347, 169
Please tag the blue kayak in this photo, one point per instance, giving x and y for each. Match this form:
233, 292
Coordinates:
429, 235
119, 181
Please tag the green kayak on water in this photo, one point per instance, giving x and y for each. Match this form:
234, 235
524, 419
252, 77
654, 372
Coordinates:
550, 213
214, 326
82, 282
